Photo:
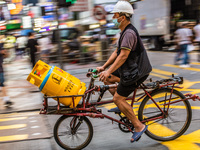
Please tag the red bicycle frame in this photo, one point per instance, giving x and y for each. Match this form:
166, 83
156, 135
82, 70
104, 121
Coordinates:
89, 109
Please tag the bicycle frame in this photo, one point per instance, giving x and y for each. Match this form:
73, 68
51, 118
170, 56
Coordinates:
89, 109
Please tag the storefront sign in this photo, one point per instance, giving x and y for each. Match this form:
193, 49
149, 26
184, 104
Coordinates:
2, 27
19, 7
26, 22
105, 1
99, 13
80, 5
93, 26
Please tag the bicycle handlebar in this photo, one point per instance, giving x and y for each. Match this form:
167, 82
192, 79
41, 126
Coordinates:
93, 73
174, 80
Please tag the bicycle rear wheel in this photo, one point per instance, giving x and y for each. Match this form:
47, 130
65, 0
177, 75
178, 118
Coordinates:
174, 123
73, 132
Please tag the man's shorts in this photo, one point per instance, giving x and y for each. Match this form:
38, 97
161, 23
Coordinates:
2, 79
127, 90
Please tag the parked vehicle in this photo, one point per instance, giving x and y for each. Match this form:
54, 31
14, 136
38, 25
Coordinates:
153, 22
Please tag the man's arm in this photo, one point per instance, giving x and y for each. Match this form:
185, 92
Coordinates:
108, 62
111, 59
119, 61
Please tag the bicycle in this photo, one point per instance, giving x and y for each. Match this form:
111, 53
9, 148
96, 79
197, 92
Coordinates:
166, 110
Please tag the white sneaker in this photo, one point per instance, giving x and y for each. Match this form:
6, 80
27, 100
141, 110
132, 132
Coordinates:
184, 66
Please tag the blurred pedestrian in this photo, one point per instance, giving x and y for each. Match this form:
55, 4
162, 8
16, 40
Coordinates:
21, 43
32, 45
6, 99
45, 46
9, 45
183, 38
197, 36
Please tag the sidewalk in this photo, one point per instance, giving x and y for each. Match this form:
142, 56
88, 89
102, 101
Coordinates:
24, 95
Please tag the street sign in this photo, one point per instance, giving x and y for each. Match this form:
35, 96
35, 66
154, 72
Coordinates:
99, 13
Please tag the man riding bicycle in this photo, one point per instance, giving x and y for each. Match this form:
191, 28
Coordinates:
129, 65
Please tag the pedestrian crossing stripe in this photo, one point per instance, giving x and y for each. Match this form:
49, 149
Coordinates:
189, 68
13, 126
195, 63
12, 119
158, 75
185, 142
163, 72
13, 138
19, 114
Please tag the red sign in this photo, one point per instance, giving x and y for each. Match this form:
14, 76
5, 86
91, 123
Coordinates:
2, 27
99, 13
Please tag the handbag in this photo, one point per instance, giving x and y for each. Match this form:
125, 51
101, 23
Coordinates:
190, 47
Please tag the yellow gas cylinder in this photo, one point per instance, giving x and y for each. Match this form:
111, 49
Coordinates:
53, 81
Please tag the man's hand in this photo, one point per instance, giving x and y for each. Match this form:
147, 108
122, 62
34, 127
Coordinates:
103, 76
100, 69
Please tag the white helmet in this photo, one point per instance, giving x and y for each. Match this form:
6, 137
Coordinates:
124, 7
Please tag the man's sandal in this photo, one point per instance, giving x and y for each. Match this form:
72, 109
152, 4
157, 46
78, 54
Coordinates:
137, 135
116, 110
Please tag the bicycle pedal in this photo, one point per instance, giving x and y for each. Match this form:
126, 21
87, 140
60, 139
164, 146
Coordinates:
99, 110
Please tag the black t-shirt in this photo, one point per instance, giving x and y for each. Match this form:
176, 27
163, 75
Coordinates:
1, 58
137, 64
32, 45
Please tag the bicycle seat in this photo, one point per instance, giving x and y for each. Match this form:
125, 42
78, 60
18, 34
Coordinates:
116, 110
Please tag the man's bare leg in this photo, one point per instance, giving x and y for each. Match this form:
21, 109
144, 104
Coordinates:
127, 110
112, 80
124, 107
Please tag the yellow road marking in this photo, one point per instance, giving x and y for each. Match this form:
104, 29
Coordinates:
163, 72
20, 114
158, 75
189, 68
195, 63
185, 142
12, 126
154, 129
12, 119
13, 138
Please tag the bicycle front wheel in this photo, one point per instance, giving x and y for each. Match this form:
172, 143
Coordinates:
177, 117
73, 132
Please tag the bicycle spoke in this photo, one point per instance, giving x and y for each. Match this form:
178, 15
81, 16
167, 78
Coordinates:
175, 120
73, 132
